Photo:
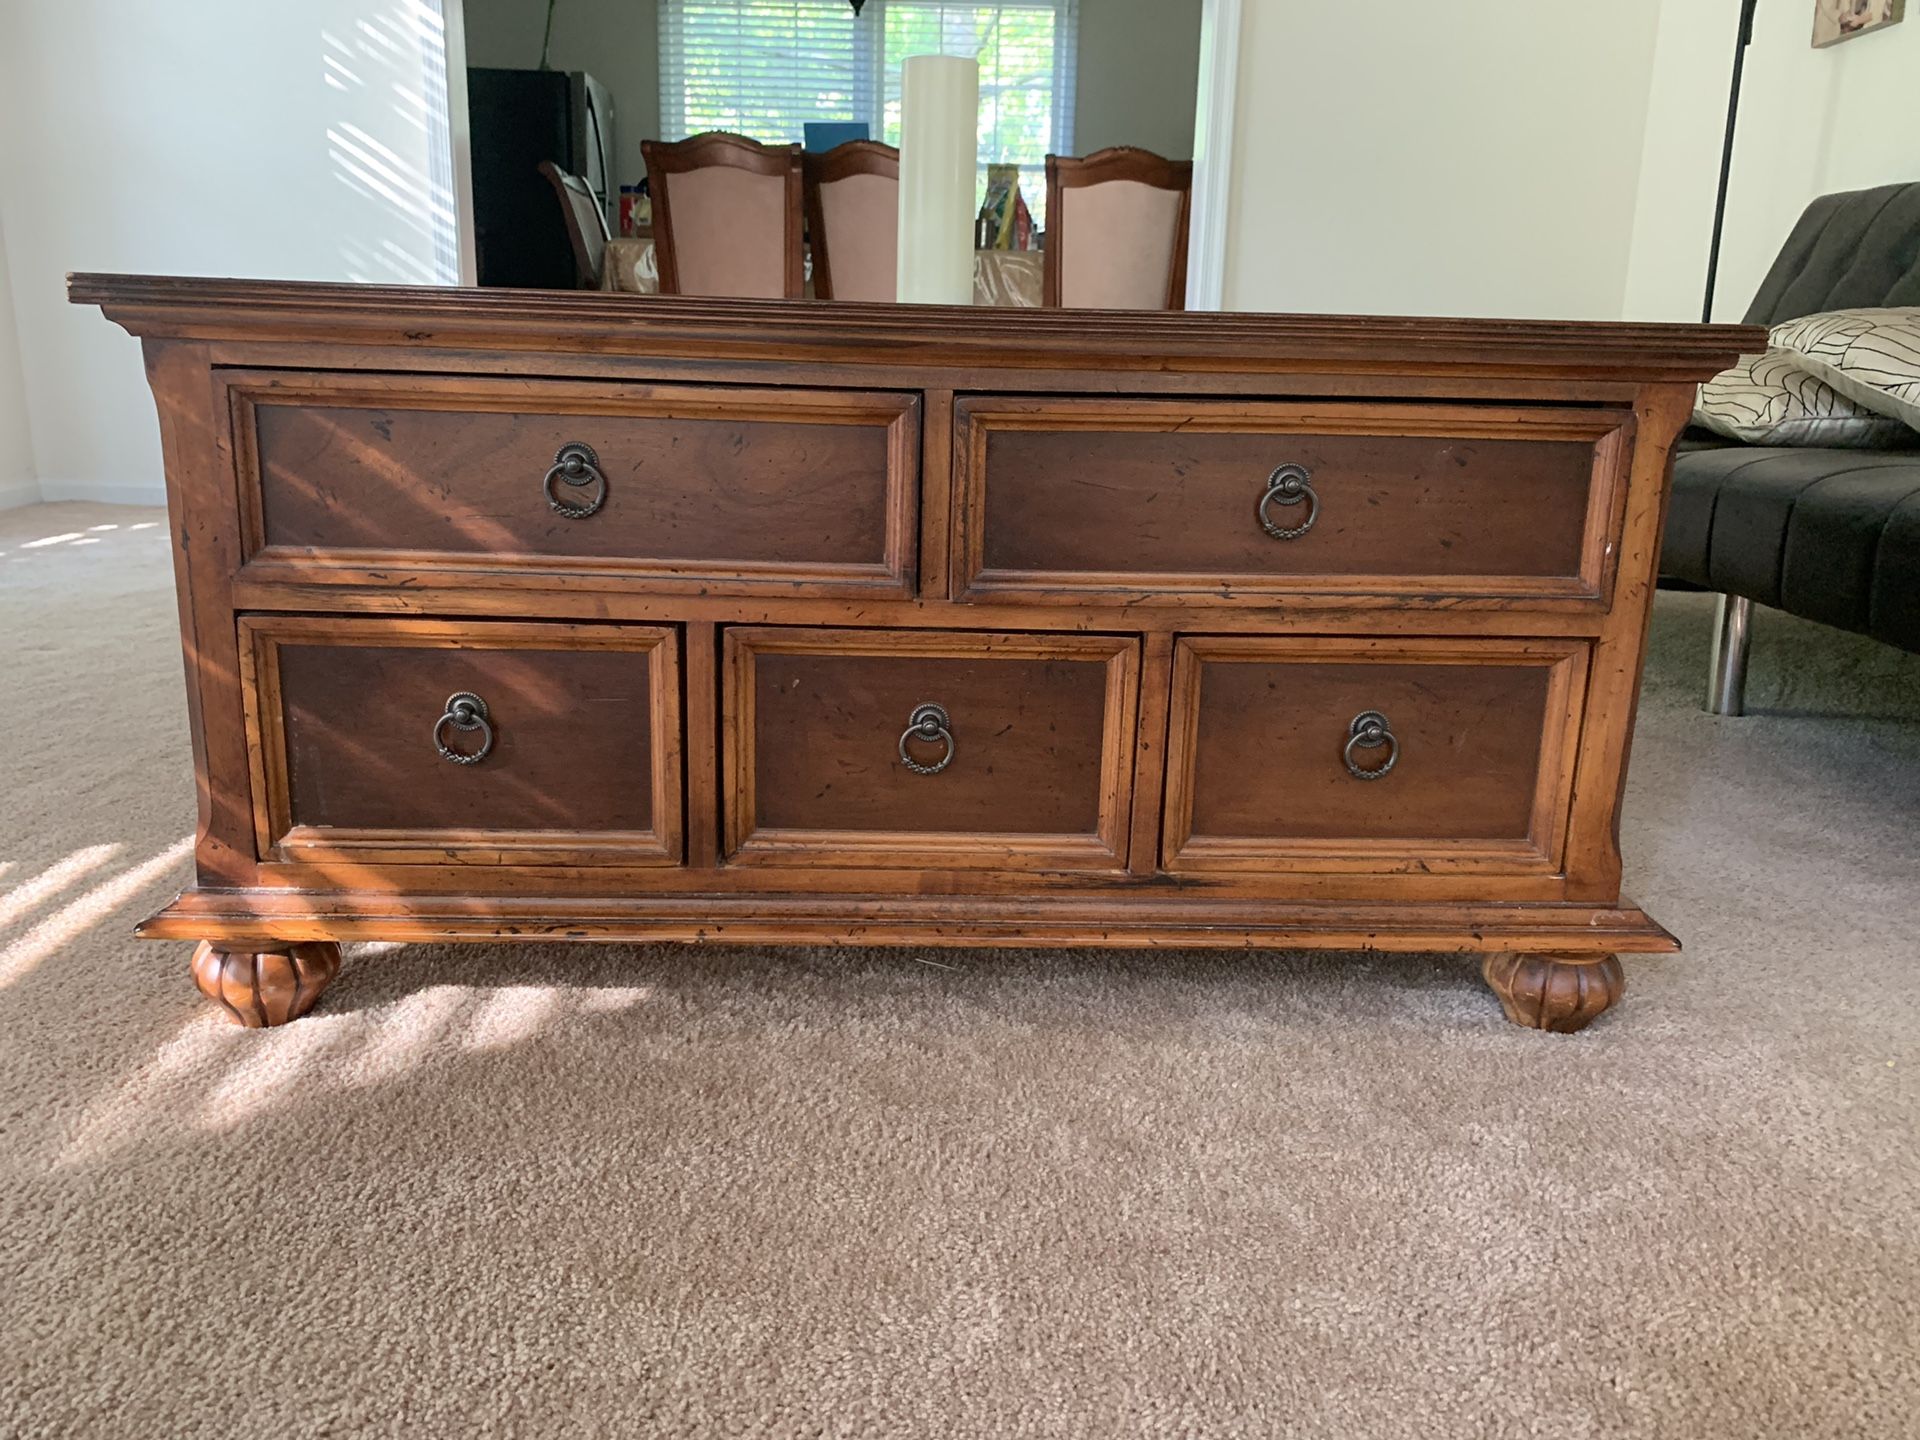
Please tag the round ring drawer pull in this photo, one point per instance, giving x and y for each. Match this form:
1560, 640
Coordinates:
1289, 485
927, 724
1369, 731
465, 711
576, 465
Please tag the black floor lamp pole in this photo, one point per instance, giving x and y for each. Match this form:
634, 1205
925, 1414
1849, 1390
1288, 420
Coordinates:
1740, 44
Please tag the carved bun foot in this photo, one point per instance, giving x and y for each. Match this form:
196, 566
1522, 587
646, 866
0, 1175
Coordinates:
257, 988
1563, 993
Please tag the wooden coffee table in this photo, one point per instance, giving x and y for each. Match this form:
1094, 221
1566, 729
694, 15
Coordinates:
518, 616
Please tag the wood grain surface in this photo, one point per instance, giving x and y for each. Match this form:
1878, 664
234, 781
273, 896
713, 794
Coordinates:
583, 766
872, 338
1482, 730
697, 487
817, 517
1038, 769
1069, 497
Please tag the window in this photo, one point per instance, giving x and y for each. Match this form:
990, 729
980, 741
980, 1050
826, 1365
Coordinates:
765, 67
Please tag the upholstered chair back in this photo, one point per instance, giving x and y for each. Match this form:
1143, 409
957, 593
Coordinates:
853, 221
1117, 231
726, 216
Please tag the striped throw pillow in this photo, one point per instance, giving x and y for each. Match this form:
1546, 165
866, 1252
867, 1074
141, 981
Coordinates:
1872, 357
1773, 399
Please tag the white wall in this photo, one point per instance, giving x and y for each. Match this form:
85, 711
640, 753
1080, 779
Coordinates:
1138, 63
1811, 121
217, 137
1474, 158
17, 485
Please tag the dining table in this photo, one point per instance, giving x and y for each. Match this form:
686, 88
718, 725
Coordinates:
1000, 277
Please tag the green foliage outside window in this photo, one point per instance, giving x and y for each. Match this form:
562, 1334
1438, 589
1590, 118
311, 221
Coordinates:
764, 68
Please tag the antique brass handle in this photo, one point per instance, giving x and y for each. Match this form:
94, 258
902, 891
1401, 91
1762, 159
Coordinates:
1289, 485
576, 465
928, 724
465, 711
1369, 731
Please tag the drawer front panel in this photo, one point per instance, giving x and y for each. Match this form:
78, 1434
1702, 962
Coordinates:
569, 744
1035, 732
1463, 747
724, 490
1063, 499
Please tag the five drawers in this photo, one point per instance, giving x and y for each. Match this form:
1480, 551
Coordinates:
928, 748
663, 487
1210, 502
1371, 755
420, 741
429, 742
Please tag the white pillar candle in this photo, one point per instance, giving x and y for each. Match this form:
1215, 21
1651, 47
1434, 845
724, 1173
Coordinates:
939, 146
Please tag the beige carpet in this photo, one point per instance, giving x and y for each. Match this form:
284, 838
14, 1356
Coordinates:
654, 1192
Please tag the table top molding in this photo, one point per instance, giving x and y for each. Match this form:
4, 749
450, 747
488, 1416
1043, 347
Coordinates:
458, 318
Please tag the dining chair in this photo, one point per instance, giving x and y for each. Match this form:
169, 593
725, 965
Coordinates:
1117, 231
726, 216
853, 220
586, 224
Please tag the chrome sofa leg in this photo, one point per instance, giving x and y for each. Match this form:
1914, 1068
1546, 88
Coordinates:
1727, 665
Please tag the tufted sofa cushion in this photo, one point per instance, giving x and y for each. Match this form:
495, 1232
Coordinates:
1849, 250
1831, 535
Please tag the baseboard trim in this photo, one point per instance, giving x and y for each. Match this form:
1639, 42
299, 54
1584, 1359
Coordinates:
103, 492
17, 493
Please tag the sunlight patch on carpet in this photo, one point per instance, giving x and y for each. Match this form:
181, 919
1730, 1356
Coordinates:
52, 880
218, 1077
68, 924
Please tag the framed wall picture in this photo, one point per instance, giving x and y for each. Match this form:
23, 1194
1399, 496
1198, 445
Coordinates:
1837, 20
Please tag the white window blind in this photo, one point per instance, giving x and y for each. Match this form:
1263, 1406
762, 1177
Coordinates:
760, 68
764, 68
